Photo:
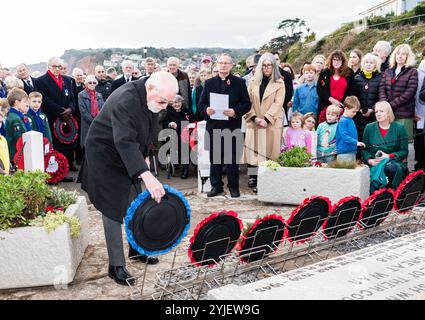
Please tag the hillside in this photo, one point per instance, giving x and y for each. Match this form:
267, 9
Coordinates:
346, 38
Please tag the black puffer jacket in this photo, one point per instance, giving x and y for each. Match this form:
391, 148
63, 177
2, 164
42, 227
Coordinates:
367, 91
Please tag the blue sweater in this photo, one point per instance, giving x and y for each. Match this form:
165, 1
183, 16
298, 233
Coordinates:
306, 99
346, 136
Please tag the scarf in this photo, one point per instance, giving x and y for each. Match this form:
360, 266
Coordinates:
58, 80
37, 119
368, 75
94, 107
23, 118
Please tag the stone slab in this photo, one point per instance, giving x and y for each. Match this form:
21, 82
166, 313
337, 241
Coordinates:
30, 257
293, 185
33, 151
392, 270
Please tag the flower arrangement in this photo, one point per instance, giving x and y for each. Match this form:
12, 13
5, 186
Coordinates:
54, 218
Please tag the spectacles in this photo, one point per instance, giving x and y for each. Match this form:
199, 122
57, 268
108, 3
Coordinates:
336, 59
223, 63
56, 67
267, 65
91, 82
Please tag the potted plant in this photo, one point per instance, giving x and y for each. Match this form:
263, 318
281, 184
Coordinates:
292, 177
43, 231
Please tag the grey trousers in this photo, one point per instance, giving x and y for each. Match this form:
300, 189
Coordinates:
113, 236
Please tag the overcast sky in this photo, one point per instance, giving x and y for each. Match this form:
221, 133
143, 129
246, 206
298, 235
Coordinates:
35, 30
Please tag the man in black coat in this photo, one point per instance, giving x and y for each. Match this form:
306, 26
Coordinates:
216, 136
23, 73
104, 86
116, 149
58, 102
127, 70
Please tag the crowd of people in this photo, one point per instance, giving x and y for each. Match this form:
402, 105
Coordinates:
362, 106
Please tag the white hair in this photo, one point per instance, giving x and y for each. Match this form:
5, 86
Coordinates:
126, 62
259, 70
374, 57
54, 60
163, 81
385, 45
90, 78
173, 59
76, 70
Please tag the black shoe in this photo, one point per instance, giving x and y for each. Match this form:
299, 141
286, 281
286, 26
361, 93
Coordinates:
252, 182
185, 171
234, 193
121, 276
214, 192
67, 179
134, 255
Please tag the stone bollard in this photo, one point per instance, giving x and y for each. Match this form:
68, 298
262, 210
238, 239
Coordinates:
33, 151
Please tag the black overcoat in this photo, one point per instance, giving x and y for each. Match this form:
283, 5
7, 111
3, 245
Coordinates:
55, 101
116, 147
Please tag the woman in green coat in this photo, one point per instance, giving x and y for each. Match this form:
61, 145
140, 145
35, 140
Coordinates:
386, 149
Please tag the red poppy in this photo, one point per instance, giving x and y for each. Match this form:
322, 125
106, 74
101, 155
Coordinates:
228, 82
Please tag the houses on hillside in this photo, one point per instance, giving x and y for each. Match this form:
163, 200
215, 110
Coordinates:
395, 7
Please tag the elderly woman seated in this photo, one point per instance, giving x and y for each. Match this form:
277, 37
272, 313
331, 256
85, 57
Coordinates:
386, 149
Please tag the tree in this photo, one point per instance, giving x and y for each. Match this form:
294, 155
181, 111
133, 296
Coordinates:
293, 30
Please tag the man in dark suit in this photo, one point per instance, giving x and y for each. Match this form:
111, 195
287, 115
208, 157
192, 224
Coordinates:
127, 70
78, 86
58, 102
217, 137
23, 73
116, 148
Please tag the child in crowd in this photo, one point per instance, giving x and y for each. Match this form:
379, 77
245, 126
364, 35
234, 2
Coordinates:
39, 119
295, 135
2, 124
326, 135
177, 114
305, 97
17, 122
4, 156
346, 132
309, 126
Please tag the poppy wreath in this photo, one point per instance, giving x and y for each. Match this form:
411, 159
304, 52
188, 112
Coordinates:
18, 159
56, 165
192, 253
270, 227
342, 220
305, 237
190, 136
402, 202
66, 131
132, 214
376, 208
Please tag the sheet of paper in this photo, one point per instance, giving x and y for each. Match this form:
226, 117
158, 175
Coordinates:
421, 122
219, 102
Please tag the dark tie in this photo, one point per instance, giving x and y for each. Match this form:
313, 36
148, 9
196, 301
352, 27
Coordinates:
127, 79
29, 84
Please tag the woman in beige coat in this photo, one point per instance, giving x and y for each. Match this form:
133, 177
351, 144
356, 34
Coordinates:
264, 121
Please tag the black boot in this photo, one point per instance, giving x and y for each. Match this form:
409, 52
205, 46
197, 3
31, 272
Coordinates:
121, 276
214, 192
234, 193
134, 255
185, 171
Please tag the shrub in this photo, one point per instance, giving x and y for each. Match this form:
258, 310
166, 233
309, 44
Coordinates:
343, 164
55, 218
295, 157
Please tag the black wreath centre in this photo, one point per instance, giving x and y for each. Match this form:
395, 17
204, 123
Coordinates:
261, 240
156, 227
308, 220
215, 239
377, 210
343, 219
411, 194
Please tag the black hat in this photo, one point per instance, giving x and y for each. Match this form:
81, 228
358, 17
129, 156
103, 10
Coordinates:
155, 228
214, 237
410, 192
66, 131
307, 218
262, 238
343, 217
376, 208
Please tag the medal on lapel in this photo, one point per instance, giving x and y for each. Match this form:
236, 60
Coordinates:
366, 87
66, 92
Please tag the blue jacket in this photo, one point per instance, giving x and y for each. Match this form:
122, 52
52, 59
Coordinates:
346, 136
306, 99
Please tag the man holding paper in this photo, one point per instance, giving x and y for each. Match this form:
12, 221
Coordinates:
223, 103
